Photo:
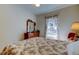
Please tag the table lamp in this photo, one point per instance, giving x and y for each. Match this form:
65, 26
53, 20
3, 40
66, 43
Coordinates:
75, 28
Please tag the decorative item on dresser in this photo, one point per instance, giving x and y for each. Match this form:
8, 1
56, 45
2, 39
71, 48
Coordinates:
31, 31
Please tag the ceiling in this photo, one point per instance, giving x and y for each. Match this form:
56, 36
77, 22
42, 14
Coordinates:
44, 8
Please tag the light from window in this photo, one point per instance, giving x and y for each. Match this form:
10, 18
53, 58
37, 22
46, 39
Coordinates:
51, 25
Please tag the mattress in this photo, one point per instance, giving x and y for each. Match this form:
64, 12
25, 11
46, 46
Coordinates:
36, 46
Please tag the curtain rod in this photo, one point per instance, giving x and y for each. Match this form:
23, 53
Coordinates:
50, 16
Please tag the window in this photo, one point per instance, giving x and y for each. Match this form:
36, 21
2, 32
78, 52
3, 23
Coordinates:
51, 28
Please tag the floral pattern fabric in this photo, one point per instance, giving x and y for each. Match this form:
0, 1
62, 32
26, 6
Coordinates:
36, 46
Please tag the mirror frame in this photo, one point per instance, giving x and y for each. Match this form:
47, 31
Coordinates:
28, 25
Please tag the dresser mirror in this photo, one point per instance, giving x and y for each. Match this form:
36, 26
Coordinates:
30, 25
31, 31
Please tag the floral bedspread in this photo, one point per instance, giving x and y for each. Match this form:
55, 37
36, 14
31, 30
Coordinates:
36, 46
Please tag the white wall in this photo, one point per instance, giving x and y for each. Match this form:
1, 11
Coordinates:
41, 25
65, 18
13, 23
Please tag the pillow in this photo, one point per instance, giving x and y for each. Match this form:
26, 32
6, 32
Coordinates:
73, 48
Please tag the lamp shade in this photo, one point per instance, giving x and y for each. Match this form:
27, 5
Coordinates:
75, 26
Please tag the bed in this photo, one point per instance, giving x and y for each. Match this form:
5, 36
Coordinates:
36, 46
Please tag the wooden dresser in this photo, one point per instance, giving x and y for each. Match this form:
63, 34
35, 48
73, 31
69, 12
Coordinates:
30, 30
31, 35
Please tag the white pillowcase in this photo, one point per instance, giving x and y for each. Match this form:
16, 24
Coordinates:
73, 48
